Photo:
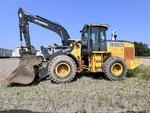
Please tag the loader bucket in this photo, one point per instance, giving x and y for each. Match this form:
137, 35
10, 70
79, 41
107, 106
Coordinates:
25, 72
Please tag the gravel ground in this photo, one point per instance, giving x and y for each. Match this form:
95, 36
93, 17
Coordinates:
93, 94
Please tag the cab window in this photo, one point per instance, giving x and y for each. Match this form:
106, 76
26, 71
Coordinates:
98, 35
84, 39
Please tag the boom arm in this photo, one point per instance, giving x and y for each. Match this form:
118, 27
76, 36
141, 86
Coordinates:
25, 18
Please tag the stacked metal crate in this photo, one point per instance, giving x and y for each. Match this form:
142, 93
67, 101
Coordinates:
5, 53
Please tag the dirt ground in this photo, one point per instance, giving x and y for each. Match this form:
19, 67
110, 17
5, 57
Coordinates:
91, 93
7, 65
146, 61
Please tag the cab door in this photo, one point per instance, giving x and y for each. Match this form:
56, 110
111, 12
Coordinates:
97, 39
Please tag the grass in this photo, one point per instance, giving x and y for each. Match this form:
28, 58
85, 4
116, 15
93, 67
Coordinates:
82, 110
140, 72
18, 93
145, 76
133, 73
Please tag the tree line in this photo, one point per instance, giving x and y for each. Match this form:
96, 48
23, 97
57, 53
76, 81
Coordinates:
141, 49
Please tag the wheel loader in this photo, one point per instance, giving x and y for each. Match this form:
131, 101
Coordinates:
93, 53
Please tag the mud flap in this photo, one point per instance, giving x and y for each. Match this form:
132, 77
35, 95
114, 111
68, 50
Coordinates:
25, 73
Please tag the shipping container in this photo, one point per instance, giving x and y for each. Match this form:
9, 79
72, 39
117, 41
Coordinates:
5, 53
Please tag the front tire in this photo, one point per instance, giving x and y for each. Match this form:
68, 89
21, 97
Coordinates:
115, 68
62, 69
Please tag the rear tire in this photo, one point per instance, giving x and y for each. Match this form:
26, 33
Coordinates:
115, 68
62, 69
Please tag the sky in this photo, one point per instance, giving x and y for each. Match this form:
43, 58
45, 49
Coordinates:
131, 19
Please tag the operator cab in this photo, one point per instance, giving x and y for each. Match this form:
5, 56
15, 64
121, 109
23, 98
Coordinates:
93, 39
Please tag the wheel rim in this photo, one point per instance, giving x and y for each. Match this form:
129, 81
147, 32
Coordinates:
116, 69
62, 70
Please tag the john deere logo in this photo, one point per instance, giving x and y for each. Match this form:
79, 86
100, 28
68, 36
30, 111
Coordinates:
116, 44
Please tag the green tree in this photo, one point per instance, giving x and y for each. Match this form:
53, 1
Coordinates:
141, 49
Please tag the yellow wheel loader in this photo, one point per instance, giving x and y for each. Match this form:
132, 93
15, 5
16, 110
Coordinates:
93, 53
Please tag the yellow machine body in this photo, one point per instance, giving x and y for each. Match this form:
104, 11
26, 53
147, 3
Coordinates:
124, 50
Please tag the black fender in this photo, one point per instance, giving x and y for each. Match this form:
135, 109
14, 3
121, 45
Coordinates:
56, 54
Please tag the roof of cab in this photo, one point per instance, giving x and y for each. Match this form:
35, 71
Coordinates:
95, 25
